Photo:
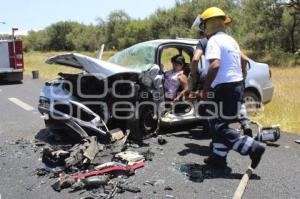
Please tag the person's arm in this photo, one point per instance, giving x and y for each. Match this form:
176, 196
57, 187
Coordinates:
213, 54
211, 75
194, 65
244, 61
184, 85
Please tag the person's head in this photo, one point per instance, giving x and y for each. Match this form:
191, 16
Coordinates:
212, 20
178, 62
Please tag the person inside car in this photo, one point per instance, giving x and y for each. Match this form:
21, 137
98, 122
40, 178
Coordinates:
176, 79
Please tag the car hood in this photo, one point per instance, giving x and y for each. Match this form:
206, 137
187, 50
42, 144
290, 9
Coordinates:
91, 65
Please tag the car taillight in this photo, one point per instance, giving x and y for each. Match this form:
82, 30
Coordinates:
19, 55
16, 54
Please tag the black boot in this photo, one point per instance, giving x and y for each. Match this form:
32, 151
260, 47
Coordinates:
216, 161
257, 150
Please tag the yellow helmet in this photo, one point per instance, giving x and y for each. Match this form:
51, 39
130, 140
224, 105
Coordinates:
214, 12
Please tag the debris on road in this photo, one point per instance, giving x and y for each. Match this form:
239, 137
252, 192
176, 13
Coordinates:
161, 140
168, 188
130, 157
267, 134
102, 167
128, 188
243, 184
297, 141
90, 182
148, 155
90, 164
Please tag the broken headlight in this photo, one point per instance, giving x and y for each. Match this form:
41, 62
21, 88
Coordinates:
44, 102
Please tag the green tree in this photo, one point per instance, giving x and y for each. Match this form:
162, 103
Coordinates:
115, 28
58, 33
36, 40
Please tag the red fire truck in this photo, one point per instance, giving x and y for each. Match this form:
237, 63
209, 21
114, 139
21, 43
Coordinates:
11, 60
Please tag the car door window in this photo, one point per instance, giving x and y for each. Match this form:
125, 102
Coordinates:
167, 54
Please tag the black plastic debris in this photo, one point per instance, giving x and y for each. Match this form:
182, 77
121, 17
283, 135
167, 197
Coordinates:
90, 183
148, 155
129, 188
297, 141
57, 186
41, 172
161, 140
149, 182
168, 188
62, 183
54, 158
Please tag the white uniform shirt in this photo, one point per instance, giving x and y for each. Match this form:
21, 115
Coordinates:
223, 47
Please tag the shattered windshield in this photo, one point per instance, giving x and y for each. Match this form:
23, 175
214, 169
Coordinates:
137, 57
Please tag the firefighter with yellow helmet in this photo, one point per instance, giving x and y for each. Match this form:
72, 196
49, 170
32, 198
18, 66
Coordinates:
225, 79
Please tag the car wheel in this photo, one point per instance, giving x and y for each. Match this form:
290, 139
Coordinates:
145, 125
252, 102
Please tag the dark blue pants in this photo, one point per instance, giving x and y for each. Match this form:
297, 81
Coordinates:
243, 119
228, 98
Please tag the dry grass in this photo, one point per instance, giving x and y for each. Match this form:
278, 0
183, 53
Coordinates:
36, 61
284, 109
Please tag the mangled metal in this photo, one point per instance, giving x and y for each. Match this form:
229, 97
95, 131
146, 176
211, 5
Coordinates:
80, 102
90, 164
89, 64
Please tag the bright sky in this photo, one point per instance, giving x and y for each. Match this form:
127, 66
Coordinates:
37, 14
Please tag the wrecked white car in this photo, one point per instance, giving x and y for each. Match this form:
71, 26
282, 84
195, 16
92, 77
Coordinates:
127, 91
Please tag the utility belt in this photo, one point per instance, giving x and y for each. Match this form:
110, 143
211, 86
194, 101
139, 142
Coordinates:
228, 85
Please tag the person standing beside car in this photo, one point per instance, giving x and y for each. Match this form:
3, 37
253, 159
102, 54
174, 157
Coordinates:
198, 74
225, 78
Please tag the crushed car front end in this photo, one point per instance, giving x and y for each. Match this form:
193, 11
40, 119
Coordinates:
101, 98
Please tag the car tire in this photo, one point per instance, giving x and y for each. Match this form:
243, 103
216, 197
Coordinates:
145, 125
252, 102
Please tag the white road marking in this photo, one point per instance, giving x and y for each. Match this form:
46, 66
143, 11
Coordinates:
21, 104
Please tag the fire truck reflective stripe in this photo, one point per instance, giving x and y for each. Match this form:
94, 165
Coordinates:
21, 104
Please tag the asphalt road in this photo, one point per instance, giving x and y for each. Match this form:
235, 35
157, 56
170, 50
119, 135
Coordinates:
276, 177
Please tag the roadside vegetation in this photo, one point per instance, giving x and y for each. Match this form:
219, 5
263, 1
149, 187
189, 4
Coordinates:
284, 109
264, 27
268, 29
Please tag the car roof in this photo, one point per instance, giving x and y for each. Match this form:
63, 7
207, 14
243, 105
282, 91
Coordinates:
179, 40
